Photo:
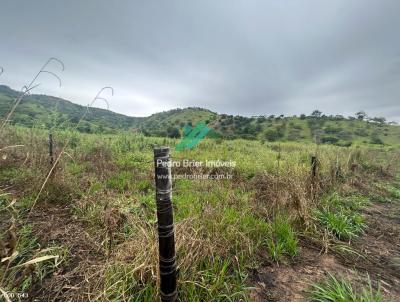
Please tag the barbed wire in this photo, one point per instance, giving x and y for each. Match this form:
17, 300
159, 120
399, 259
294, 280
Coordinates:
25, 90
97, 97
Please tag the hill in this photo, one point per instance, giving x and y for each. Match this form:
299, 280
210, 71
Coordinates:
46, 111
168, 123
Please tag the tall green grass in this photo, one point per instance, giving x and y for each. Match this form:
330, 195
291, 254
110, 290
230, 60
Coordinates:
340, 216
282, 240
341, 290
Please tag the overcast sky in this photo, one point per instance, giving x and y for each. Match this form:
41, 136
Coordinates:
230, 56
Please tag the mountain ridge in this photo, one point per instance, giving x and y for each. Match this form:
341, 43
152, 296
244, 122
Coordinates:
39, 110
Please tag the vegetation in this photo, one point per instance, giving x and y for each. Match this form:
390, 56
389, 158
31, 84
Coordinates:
84, 228
283, 240
47, 112
42, 111
339, 218
341, 290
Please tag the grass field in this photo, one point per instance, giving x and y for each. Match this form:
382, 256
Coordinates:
87, 231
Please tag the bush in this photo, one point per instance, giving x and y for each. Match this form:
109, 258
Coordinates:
361, 132
329, 140
375, 139
272, 135
173, 132
332, 130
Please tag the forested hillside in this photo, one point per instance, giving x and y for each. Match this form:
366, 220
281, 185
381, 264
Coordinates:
46, 112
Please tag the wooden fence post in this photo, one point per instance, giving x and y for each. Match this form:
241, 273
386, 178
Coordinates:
51, 149
313, 186
337, 170
313, 167
166, 238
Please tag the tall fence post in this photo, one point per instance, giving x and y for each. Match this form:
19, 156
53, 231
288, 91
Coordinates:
166, 238
313, 187
313, 167
51, 149
337, 170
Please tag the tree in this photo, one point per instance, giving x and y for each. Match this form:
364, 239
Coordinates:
316, 113
380, 120
272, 135
173, 132
361, 115
261, 119
84, 127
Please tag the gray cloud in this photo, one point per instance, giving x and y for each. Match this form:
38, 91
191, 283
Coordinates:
237, 57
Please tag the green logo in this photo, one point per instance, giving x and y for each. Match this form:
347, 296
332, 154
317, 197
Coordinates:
192, 136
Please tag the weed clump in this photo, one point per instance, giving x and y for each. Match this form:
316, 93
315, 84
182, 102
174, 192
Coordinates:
342, 223
341, 290
339, 215
282, 240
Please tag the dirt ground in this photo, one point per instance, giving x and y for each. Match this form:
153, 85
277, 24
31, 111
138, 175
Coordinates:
55, 224
380, 244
